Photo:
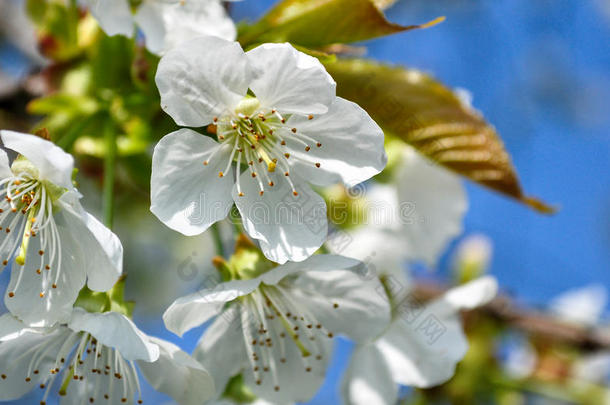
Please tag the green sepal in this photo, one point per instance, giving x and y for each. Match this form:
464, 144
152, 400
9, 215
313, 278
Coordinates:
246, 263
109, 301
346, 209
117, 299
237, 391
92, 301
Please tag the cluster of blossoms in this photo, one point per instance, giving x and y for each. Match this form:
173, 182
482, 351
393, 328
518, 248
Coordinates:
275, 132
54, 338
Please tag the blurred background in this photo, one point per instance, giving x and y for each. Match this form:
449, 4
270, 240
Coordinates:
540, 72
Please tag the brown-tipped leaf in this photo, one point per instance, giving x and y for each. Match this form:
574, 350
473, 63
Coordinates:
316, 23
428, 116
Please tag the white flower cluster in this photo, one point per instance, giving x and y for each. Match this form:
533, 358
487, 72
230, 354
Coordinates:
54, 247
279, 133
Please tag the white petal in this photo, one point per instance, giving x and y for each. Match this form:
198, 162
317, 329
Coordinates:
149, 19
177, 374
468, 296
167, 25
56, 303
201, 78
87, 248
221, 348
288, 227
195, 309
424, 353
383, 206
290, 81
314, 263
52, 162
114, 16
15, 358
378, 242
117, 331
368, 380
380, 249
424, 345
5, 168
295, 383
98, 386
259, 401
201, 18
432, 203
362, 311
12, 328
100, 248
583, 305
352, 145
187, 195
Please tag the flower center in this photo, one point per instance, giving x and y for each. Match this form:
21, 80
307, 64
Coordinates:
275, 326
79, 359
26, 215
260, 139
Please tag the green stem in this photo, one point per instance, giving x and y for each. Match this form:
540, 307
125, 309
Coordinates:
109, 173
220, 250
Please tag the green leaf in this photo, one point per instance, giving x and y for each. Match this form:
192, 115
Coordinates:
322, 56
315, 23
428, 116
63, 103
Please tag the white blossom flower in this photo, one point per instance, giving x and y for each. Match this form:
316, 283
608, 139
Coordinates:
52, 244
165, 23
421, 348
584, 305
93, 359
280, 128
277, 327
411, 219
